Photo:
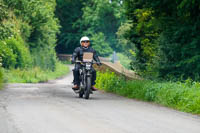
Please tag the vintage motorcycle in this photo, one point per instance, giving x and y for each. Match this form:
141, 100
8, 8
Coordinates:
86, 75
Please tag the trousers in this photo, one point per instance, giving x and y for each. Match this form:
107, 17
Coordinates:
76, 74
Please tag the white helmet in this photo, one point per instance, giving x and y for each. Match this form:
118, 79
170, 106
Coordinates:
85, 38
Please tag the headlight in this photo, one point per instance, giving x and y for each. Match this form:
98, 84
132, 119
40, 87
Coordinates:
88, 66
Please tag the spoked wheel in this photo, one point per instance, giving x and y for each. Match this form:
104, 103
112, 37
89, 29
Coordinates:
88, 88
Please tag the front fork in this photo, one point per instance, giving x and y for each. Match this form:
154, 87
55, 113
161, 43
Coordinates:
87, 74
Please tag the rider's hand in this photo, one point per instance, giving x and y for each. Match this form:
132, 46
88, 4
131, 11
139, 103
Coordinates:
99, 63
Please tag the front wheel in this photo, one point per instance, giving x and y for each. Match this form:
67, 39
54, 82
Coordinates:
88, 88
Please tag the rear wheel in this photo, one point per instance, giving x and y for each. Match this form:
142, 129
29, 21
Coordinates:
88, 88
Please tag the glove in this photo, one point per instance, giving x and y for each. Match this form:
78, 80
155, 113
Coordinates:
99, 63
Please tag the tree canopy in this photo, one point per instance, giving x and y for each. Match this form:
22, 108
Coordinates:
89, 18
160, 37
28, 33
166, 36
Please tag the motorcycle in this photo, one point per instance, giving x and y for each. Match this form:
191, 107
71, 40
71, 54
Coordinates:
85, 76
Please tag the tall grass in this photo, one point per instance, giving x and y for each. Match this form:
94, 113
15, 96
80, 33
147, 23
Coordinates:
34, 75
183, 96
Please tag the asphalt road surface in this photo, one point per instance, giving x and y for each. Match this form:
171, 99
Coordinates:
54, 108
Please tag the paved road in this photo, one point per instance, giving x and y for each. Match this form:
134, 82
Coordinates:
54, 108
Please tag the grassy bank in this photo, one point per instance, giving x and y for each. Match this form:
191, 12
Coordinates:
183, 96
34, 75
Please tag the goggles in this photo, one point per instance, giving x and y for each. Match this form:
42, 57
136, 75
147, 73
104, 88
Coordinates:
85, 41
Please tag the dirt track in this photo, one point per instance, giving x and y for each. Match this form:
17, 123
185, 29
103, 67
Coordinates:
54, 108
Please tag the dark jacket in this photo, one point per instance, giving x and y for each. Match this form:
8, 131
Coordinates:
78, 53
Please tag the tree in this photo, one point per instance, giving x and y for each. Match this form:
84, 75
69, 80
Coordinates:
100, 45
69, 12
88, 18
29, 25
103, 16
175, 40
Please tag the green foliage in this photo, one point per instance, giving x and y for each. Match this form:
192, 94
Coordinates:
3, 12
105, 17
124, 60
9, 58
180, 53
42, 60
89, 18
69, 12
34, 75
26, 27
166, 37
106, 81
123, 34
23, 57
184, 96
5, 31
180, 96
139, 34
100, 45
14, 53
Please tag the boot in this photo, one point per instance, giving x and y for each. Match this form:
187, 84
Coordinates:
75, 87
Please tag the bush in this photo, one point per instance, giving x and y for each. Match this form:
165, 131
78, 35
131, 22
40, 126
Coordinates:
181, 96
44, 58
100, 45
14, 53
184, 96
5, 31
22, 53
107, 80
8, 57
28, 27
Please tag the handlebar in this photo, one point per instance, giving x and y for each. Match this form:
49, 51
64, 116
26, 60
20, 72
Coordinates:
82, 62
85, 62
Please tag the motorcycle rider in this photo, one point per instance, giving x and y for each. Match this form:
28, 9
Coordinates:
78, 53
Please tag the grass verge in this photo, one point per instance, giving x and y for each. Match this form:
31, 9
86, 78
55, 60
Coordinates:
34, 75
183, 96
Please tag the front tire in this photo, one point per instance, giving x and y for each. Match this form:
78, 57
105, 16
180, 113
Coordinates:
88, 88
